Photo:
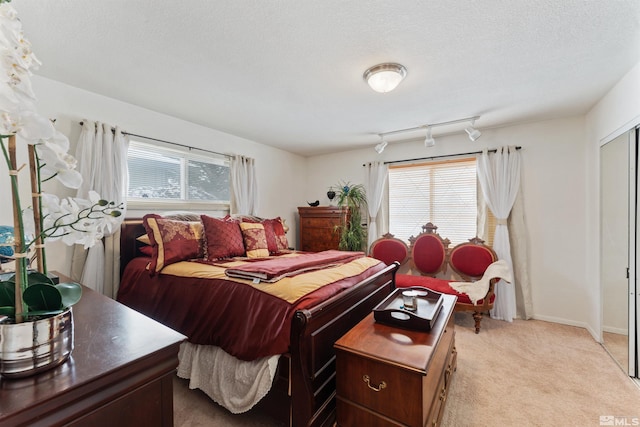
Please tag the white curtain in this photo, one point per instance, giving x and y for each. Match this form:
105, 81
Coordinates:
244, 187
102, 155
374, 183
499, 176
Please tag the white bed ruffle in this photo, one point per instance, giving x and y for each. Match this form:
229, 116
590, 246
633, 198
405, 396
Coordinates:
235, 384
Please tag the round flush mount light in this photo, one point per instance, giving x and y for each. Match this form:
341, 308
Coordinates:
385, 77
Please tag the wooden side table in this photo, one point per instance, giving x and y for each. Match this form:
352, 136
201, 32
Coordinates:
119, 374
388, 376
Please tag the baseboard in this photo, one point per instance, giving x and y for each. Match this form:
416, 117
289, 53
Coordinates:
594, 334
619, 331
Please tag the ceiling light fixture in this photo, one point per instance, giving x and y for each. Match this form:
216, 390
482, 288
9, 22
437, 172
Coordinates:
472, 131
385, 77
380, 147
429, 141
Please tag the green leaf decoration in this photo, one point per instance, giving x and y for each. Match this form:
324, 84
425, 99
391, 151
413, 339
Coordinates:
7, 311
70, 292
7, 294
35, 277
42, 296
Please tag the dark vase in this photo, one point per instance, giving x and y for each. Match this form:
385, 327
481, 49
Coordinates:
331, 194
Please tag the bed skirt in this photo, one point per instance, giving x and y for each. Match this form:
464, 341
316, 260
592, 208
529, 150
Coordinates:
232, 383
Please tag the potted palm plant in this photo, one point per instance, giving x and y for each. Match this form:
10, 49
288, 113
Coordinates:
353, 236
36, 321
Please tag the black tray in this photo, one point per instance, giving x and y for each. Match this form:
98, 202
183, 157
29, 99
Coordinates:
391, 311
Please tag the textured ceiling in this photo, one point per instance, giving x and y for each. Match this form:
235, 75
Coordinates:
288, 73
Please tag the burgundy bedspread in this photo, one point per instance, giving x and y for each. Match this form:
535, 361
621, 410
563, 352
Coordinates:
275, 269
245, 322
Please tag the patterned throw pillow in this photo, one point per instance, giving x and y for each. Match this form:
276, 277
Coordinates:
270, 234
224, 238
281, 236
172, 241
255, 240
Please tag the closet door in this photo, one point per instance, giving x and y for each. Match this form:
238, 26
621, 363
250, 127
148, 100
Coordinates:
618, 183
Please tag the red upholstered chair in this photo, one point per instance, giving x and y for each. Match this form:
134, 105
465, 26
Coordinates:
470, 260
429, 251
389, 249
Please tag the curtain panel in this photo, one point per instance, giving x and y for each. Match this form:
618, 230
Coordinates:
499, 176
374, 184
244, 188
102, 155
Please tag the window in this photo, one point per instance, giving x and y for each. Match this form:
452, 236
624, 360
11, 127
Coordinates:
159, 174
443, 193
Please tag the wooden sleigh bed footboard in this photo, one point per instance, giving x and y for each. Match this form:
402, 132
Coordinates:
303, 394
303, 391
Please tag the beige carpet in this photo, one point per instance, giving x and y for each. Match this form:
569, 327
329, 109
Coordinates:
526, 373
618, 347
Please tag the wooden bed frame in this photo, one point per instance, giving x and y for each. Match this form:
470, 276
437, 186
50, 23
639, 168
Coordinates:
304, 389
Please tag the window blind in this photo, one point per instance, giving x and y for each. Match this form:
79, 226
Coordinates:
443, 193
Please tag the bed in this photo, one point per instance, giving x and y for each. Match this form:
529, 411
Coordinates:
303, 390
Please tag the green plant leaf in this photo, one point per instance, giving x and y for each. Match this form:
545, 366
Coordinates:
7, 294
42, 296
35, 277
71, 293
8, 311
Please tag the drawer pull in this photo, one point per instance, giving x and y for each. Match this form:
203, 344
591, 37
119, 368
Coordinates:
382, 384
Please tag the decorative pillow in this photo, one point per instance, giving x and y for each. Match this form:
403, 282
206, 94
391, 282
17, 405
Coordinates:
182, 215
144, 239
255, 240
172, 240
281, 236
146, 250
270, 235
224, 238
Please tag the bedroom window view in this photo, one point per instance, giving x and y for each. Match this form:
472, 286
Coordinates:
443, 193
175, 176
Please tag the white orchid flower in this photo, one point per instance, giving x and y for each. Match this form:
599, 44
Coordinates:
28, 124
11, 35
55, 161
76, 220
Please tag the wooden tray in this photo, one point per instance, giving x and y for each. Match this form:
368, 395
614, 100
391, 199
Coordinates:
391, 311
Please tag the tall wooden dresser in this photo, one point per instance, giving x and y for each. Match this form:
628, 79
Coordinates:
318, 227
387, 376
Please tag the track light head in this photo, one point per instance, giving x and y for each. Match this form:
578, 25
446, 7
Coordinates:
472, 131
429, 141
381, 146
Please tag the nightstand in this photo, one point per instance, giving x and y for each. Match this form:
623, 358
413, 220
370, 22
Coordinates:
388, 376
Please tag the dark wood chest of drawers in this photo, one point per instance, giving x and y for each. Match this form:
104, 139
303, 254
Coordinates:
120, 373
388, 376
320, 227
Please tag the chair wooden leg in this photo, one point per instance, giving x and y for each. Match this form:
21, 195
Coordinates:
477, 316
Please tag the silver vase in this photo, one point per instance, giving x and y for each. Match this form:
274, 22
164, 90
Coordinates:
32, 347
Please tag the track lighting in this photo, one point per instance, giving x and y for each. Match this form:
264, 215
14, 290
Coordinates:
472, 131
380, 147
428, 140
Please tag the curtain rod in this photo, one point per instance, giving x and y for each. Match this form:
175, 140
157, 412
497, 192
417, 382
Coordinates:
171, 143
439, 157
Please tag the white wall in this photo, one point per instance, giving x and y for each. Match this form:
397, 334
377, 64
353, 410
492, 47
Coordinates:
280, 174
617, 112
554, 195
